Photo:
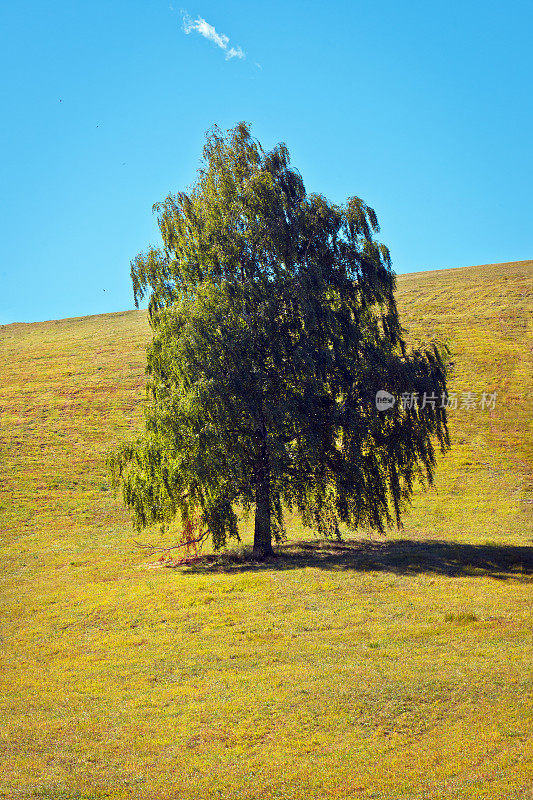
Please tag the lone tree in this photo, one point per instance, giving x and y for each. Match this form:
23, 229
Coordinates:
274, 325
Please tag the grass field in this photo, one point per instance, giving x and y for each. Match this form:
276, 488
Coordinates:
395, 667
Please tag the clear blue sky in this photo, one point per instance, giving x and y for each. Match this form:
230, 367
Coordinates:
423, 109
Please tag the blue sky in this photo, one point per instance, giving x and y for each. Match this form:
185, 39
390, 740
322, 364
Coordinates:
423, 109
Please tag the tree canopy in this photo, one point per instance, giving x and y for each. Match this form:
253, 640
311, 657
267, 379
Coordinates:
274, 325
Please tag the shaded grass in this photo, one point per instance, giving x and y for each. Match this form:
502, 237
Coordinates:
399, 556
391, 668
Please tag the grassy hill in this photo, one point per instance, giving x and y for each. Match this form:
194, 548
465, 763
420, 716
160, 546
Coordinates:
387, 668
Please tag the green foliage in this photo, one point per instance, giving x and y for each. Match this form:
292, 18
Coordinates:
274, 325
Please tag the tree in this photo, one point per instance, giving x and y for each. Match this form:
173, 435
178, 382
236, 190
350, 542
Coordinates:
274, 325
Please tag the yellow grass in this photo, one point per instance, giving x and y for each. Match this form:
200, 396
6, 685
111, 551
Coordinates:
386, 668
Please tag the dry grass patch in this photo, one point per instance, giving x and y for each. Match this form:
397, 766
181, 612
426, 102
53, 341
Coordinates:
386, 668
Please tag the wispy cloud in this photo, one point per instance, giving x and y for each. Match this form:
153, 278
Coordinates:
208, 32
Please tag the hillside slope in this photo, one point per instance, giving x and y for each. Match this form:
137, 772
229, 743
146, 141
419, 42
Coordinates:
289, 681
485, 315
73, 387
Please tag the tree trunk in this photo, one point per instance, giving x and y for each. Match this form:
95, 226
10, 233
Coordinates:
262, 532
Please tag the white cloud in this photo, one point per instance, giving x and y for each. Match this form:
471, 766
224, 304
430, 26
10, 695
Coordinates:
208, 32
235, 52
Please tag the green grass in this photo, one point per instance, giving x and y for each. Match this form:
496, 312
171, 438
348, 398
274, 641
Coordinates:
387, 668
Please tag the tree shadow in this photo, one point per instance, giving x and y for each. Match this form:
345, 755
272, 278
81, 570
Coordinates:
403, 557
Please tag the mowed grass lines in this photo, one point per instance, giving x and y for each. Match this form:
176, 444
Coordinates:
394, 668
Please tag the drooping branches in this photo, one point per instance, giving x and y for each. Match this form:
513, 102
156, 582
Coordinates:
273, 311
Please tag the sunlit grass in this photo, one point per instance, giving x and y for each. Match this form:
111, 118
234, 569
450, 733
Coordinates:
392, 668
